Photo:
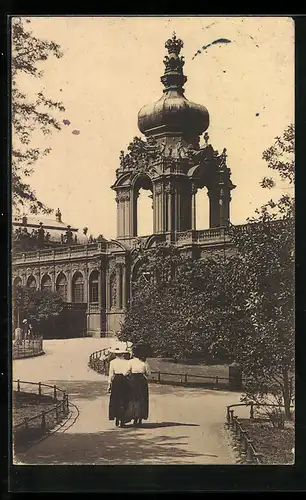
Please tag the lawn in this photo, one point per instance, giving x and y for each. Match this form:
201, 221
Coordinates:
205, 370
27, 405
275, 444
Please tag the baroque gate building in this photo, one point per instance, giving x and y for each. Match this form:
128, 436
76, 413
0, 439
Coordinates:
96, 276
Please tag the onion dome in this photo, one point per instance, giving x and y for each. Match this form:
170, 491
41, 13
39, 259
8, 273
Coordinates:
173, 113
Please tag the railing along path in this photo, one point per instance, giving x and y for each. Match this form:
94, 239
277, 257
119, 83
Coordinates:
61, 408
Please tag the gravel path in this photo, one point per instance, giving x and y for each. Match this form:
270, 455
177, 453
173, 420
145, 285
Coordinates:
185, 426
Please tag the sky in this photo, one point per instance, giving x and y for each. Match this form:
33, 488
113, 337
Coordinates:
111, 67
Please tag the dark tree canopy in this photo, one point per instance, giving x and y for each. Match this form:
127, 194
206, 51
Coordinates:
36, 305
28, 115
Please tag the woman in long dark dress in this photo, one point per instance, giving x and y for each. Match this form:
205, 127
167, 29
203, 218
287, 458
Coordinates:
118, 386
138, 407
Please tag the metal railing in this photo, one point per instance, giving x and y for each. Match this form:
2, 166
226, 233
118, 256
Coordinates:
245, 444
60, 409
99, 362
27, 348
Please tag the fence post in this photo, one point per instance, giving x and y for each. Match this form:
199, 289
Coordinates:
235, 377
185, 378
252, 411
39, 388
228, 416
258, 457
54, 392
158, 377
217, 381
250, 456
43, 420
232, 417
56, 414
244, 444
18, 385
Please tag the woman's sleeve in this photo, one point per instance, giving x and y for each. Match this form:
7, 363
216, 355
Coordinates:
147, 369
111, 372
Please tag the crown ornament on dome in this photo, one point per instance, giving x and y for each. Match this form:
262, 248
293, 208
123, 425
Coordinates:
174, 45
173, 77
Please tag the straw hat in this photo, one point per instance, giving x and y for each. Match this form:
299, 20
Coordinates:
118, 350
25, 321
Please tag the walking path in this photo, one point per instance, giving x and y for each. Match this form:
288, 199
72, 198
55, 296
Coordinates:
185, 426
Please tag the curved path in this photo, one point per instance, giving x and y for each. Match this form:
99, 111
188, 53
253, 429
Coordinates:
185, 426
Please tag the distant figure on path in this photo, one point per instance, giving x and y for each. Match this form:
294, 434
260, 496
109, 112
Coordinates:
118, 386
138, 408
25, 329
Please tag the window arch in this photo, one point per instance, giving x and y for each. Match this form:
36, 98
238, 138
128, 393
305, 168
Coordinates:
94, 287
31, 283
143, 206
46, 284
62, 286
78, 288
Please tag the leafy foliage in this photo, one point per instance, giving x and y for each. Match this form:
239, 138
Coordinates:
27, 54
240, 305
178, 303
36, 305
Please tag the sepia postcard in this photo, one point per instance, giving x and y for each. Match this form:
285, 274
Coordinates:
152, 240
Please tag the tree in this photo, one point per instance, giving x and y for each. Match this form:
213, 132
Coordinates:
266, 279
28, 115
179, 306
36, 306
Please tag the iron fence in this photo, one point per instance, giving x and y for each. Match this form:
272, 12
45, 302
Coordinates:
27, 348
60, 410
246, 445
99, 362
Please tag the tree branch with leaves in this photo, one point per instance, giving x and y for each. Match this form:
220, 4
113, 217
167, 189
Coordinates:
28, 52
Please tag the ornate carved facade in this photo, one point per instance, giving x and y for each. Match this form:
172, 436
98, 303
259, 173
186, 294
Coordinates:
169, 162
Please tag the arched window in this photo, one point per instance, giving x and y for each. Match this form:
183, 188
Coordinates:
31, 283
201, 209
94, 287
46, 284
78, 288
143, 206
62, 286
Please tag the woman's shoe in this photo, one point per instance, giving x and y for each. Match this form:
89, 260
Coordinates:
135, 421
117, 422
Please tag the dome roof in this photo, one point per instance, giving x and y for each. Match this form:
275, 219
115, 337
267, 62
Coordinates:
173, 112
55, 228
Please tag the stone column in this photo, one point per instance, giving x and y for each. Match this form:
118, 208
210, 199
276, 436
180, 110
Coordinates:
100, 288
107, 291
118, 295
193, 208
124, 287
224, 207
69, 287
86, 287
219, 202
